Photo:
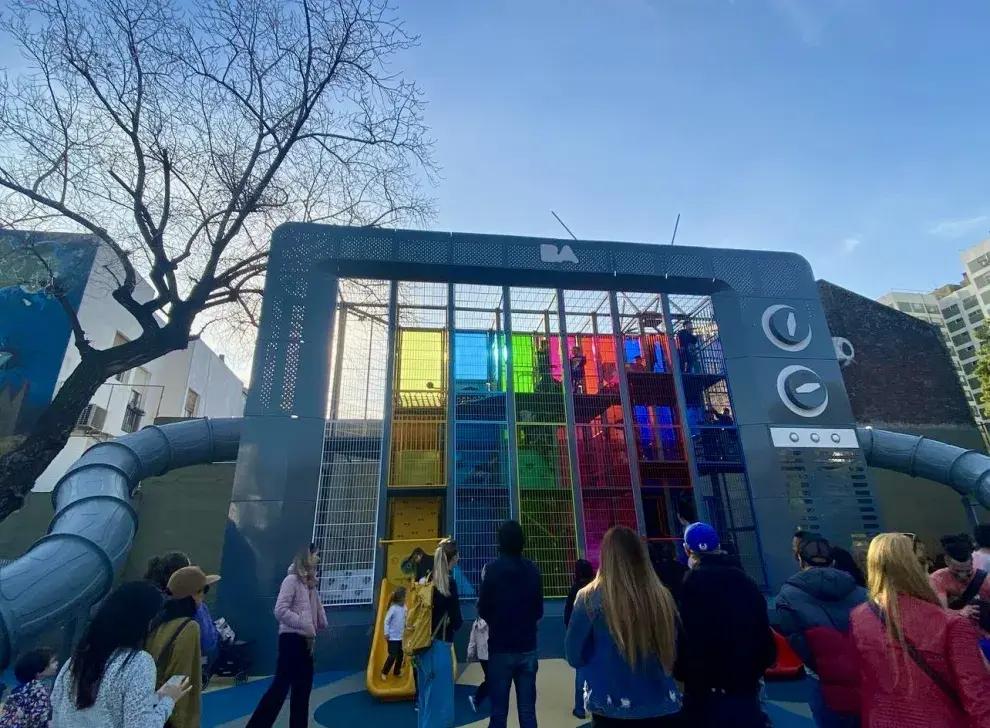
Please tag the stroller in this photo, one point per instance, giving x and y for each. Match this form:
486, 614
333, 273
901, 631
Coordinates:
233, 657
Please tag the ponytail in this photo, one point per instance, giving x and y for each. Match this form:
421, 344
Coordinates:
445, 554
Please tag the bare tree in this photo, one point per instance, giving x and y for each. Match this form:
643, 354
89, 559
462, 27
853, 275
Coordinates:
180, 135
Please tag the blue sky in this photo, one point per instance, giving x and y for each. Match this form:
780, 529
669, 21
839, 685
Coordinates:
854, 132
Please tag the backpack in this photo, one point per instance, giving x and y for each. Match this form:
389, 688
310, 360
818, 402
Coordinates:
417, 637
164, 657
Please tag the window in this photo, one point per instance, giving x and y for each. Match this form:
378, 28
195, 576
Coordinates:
967, 352
918, 307
956, 324
978, 264
932, 309
905, 307
951, 311
969, 367
969, 302
119, 340
982, 281
133, 413
974, 384
192, 404
976, 317
962, 338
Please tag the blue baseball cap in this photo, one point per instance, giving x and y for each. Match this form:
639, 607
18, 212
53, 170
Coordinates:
701, 538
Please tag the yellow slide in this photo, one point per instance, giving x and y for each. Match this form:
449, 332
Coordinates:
392, 687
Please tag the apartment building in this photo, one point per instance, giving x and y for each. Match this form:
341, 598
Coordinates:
37, 353
959, 311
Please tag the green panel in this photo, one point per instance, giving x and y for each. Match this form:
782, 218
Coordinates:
535, 472
522, 363
422, 355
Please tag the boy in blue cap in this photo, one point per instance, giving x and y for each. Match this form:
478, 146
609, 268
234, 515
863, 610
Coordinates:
725, 644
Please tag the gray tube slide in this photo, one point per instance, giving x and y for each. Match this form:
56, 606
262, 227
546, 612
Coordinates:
74, 566
965, 471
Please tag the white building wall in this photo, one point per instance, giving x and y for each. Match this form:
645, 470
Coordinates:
160, 385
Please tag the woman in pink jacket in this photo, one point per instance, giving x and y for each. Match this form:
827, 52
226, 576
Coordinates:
920, 664
300, 615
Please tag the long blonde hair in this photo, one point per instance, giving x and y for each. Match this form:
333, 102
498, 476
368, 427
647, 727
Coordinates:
304, 569
442, 565
892, 570
638, 609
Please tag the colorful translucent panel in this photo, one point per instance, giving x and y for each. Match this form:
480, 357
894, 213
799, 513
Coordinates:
417, 453
546, 503
479, 358
481, 475
606, 482
421, 358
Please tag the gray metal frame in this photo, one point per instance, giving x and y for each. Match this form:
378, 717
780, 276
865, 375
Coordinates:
274, 487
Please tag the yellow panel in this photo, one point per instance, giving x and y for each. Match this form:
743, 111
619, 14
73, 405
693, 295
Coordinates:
413, 522
422, 356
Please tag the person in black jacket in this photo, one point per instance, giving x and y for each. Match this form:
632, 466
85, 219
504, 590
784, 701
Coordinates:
670, 571
511, 602
725, 645
584, 573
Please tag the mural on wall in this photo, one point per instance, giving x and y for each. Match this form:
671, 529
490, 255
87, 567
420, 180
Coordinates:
34, 330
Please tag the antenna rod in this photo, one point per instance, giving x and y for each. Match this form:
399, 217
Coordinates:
563, 225
677, 223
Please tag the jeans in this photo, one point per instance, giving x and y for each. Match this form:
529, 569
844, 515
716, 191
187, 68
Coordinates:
293, 673
394, 659
435, 673
504, 670
578, 692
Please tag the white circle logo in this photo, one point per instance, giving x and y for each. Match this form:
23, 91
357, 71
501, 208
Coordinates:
782, 328
802, 391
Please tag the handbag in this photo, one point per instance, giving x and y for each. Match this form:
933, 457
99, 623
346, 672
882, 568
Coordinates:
921, 662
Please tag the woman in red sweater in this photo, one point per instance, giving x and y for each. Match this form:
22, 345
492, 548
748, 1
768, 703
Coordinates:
921, 665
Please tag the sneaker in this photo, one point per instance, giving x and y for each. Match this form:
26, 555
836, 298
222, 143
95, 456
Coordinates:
579, 714
474, 704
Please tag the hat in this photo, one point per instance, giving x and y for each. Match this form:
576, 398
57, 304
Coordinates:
701, 538
816, 551
189, 580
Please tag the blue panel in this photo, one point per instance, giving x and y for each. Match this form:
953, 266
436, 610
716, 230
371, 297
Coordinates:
632, 349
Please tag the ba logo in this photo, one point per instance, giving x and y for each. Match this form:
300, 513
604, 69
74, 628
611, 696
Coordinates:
550, 253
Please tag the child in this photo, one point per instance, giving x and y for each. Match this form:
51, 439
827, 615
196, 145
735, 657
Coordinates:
29, 705
478, 650
395, 624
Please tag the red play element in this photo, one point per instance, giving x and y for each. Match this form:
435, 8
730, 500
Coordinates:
788, 664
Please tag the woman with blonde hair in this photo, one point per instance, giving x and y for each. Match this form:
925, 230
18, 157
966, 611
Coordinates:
435, 666
920, 664
622, 637
300, 614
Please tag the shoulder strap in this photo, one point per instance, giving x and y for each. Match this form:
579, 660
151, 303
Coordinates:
166, 654
922, 663
972, 589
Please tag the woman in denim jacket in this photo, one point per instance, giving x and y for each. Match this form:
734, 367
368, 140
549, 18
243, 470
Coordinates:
622, 637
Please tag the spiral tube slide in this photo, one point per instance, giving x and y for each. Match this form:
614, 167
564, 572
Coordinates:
74, 566
965, 471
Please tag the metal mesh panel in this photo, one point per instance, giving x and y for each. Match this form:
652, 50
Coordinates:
345, 529
546, 503
546, 498
481, 455
419, 414
606, 493
724, 491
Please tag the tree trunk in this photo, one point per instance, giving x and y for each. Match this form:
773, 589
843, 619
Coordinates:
21, 467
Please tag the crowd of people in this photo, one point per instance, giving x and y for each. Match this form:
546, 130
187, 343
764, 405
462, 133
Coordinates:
887, 642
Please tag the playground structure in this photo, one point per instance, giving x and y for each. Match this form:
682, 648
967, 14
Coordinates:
410, 385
